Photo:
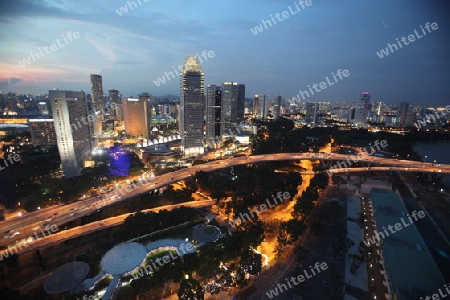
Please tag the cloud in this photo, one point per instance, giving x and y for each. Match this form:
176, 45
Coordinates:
13, 80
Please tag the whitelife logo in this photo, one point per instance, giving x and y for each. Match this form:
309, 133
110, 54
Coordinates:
411, 38
258, 209
432, 118
380, 236
52, 48
47, 230
359, 156
321, 86
439, 296
151, 267
281, 287
11, 158
91, 117
124, 9
170, 75
280, 17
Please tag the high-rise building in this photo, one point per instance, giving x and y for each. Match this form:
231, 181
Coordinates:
98, 104
232, 111
362, 108
255, 107
276, 107
42, 132
260, 106
312, 110
97, 92
135, 111
72, 131
119, 111
192, 103
402, 113
212, 114
114, 96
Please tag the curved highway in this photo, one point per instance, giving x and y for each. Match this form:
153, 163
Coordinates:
32, 224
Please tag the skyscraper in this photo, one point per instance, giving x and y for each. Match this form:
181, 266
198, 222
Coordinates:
114, 96
362, 108
312, 109
232, 111
97, 92
72, 131
402, 113
98, 104
276, 109
42, 131
135, 111
260, 106
213, 113
192, 103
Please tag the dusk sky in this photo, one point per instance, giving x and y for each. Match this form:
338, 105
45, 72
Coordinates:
132, 50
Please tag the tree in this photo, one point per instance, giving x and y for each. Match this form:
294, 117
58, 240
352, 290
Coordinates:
190, 289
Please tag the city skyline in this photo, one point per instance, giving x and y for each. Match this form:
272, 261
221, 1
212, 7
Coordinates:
132, 49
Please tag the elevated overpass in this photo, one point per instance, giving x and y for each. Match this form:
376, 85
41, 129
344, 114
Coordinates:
27, 225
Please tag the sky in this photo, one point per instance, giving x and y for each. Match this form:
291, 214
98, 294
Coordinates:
132, 49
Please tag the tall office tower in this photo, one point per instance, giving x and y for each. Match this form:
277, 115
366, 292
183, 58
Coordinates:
119, 111
402, 113
232, 111
72, 130
97, 92
42, 132
276, 107
98, 104
113, 96
136, 119
362, 108
377, 110
260, 106
312, 110
256, 107
212, 114
192, 104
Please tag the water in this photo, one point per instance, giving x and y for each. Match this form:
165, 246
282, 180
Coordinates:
438, 152
434, 151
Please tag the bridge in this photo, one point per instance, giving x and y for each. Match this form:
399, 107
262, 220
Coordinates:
32, 222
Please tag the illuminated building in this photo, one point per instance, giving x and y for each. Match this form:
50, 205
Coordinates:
97, 92
42, 132
135, 111
362, 109
192, 102
232, 110
212, 114
312, 109
72, 126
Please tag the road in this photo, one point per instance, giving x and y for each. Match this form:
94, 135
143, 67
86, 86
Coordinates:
64, 235
30, 224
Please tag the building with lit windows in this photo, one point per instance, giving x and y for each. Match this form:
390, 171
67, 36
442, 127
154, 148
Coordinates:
97, 92
72, 127
232, 110
192, 104
212, 114
136, 117
42, 132
362, 109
